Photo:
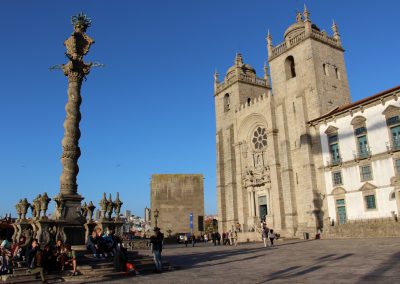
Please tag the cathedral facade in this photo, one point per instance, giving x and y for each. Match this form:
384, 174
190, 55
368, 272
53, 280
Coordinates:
268, 155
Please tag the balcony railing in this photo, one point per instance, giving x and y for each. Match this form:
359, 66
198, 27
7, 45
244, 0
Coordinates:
335, 161
393, 146
363, 153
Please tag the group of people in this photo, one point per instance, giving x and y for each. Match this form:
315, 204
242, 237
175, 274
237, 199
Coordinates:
57, 256
216, 238
187, 238
37, 261
108, 245
268, 234
102, 245
230, 238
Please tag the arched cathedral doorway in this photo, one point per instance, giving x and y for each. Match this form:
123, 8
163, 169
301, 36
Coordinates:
256, 179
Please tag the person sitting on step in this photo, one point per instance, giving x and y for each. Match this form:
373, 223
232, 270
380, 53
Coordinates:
35, 257
5, 257
92, 244
68, 258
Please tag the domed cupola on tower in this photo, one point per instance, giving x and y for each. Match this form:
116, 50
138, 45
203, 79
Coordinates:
242, 69
298, 27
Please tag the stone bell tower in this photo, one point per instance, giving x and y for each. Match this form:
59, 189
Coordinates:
309, 79
239, 89
309, 64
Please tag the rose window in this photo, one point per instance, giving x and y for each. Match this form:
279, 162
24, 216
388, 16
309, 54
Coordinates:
259, 138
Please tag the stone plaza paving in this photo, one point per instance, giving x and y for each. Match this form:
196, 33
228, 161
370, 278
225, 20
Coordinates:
291, 261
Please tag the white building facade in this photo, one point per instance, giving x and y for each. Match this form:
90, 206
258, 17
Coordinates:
360, 144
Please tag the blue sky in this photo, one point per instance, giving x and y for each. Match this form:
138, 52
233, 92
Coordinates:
151, 109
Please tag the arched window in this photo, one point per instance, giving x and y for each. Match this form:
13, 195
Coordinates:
290, 67
325, 69
248, 101
337, 73
226, 102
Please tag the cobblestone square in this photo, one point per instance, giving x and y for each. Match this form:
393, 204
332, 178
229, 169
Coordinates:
294, 261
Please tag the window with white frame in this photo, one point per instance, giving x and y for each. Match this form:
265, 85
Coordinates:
392, 116
360, 133
370, 202
334, 148
365, 172
393, 123
337, 178
362, 142
397, 166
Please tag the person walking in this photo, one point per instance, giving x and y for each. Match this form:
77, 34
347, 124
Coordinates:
235, 238
224, 238
156, 242
231, 238
193, 239
206, 238
264, 235
186, 239
271, 236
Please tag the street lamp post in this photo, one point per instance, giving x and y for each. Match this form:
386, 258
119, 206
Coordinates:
156, 216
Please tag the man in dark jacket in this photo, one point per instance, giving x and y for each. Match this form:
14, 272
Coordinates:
35, 257
156, 242
92, 244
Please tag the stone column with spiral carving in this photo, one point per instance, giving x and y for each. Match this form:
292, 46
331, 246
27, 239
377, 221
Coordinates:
76, 69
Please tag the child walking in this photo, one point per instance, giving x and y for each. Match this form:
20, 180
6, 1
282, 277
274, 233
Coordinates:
271, 236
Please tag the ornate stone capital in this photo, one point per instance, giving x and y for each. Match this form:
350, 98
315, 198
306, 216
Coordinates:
76, 70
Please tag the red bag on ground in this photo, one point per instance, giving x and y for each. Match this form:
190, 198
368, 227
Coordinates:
130, 267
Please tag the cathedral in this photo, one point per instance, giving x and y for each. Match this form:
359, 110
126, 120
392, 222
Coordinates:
270, 160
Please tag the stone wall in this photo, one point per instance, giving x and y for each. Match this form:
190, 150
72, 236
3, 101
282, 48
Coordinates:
368, 228
176, 196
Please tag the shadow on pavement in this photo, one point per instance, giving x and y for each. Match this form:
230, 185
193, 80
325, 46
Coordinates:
391, 265
295, 271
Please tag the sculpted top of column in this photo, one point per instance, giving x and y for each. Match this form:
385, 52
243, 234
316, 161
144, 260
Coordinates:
78, 43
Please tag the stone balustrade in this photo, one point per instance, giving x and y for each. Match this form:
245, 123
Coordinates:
324, 37
281, 48
320, 36
241, 78
298, 38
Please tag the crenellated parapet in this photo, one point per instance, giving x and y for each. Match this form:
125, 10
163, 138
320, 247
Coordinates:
252, 103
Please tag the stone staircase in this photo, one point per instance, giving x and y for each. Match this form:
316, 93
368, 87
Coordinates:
89, 267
